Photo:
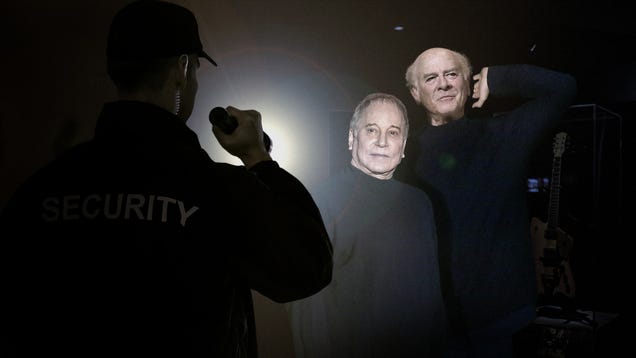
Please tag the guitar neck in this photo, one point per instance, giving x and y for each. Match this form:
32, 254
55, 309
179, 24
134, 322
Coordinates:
555, 186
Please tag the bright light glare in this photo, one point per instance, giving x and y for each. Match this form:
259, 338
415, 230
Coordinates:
295, 97
282, 142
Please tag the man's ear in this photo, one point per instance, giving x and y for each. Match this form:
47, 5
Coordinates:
183, 65
350, 139
404, 147
415, 93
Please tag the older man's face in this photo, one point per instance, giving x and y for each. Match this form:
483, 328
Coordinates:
442, 85
377, 143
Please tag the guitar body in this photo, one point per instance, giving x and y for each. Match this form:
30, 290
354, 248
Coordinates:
551, 250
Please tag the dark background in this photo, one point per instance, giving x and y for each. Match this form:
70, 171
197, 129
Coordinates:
306, 64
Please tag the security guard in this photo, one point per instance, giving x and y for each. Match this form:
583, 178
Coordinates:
137, 244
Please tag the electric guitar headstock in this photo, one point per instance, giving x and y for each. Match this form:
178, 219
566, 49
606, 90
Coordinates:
559, 143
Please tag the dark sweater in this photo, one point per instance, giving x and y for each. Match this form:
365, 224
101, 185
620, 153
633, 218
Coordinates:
384, 299
475, 171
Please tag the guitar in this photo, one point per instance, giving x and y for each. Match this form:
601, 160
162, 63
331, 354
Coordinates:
551, 245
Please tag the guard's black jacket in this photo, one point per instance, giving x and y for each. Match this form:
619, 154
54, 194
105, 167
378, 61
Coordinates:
137, 244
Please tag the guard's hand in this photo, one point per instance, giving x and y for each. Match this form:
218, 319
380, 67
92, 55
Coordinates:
246, 141
480, 88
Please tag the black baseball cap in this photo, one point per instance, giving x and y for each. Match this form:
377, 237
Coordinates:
149, 29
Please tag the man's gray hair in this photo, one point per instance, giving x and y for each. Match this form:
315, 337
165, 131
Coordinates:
362, 107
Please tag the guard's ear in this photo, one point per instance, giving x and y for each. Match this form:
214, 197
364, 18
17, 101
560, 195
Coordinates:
183, 62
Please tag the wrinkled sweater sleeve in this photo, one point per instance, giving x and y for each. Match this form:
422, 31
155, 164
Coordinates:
546, 95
